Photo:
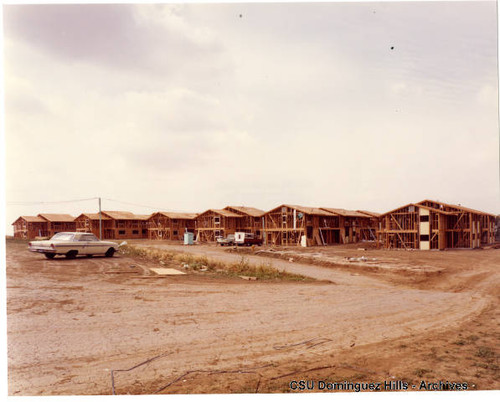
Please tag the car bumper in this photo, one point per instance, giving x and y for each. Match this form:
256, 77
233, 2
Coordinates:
42, 250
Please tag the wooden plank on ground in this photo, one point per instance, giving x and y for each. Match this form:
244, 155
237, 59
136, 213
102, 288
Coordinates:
167, 271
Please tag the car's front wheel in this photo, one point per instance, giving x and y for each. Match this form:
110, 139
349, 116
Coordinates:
110, 252
50, 255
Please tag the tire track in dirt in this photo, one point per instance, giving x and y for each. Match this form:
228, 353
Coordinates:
117, 322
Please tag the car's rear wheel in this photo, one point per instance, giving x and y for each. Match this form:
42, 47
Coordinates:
71, 254
110, 252
50, 255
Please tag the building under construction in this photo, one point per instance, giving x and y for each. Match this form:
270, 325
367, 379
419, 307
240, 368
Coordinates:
170, 225
30, 227
58, 223
125, 225
89, 223
298, 225
424, 225
429, 225
251, 220
216, 222
290, 225
354, 226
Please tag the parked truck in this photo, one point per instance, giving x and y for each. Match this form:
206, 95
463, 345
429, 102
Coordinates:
226, 241
246, 239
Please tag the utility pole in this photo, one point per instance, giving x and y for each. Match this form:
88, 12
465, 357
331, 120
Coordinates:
100, 220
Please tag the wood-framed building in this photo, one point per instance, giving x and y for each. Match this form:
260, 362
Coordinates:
58, 223
89, 222
431, 224
125, 225
287, 224
170, 225
251, 220
216, 222
354, 226
373, 225
30, 227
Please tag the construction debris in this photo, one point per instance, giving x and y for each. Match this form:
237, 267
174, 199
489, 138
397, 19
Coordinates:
360, 259
167, 271
248, 278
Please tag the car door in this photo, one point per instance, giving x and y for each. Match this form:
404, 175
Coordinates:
93, 245
79, 243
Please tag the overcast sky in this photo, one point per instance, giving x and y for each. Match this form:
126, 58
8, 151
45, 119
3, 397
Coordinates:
194, 106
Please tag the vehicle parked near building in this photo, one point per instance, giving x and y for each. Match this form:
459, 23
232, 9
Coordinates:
247, 239
71, 244
226, 241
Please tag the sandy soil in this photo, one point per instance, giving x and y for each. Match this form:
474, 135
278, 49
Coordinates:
413, 316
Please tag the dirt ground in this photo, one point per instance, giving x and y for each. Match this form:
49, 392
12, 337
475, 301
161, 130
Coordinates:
75, 326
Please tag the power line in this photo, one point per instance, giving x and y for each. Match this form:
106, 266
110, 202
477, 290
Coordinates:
139, 205
21, 203
50, 202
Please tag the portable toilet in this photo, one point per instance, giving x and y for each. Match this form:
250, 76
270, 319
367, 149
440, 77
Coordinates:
188, 238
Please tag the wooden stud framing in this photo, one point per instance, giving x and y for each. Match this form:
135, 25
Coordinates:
170, 225
30, 227
216, 222
450, 226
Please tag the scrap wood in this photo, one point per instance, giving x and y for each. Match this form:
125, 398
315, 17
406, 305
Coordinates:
167, 271
132, 368
210, 372
248, 278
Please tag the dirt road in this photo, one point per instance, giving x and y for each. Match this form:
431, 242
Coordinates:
70, 322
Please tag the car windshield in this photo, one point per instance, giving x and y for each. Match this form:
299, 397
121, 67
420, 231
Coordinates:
62, 236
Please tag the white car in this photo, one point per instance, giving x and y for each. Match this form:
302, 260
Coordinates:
72, 244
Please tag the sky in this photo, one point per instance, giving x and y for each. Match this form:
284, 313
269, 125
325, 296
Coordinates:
187, 107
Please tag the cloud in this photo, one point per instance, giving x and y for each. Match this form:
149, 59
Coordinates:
192, 106
143, 39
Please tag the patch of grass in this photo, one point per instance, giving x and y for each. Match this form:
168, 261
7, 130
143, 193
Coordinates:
198, 263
